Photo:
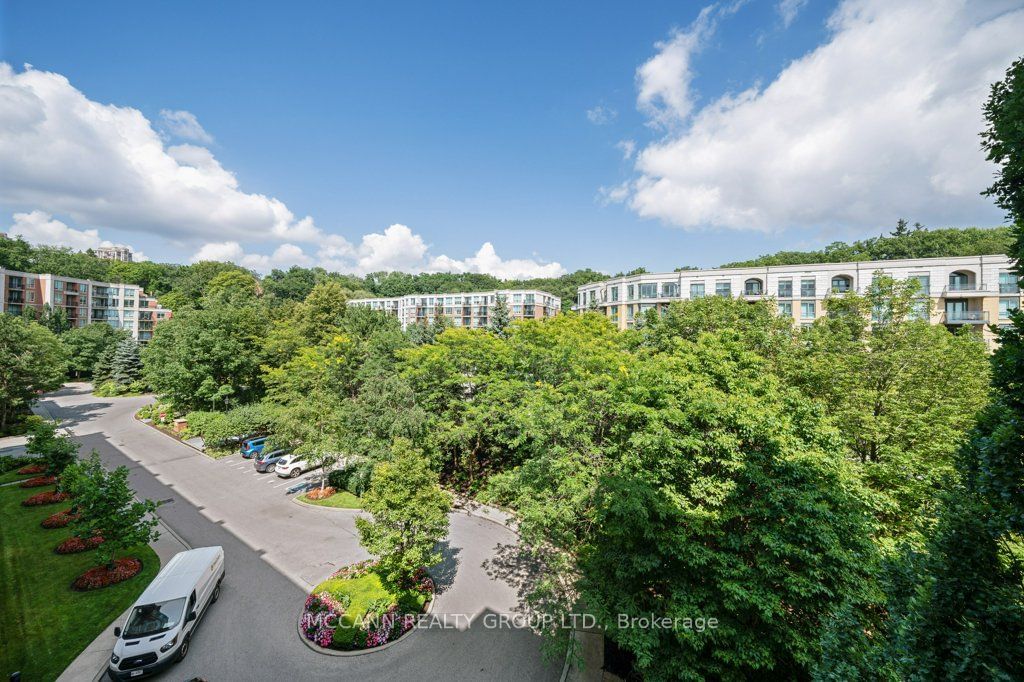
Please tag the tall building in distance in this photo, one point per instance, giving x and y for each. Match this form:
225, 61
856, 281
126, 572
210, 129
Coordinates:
975, 291
472, 309
122, 306
114, 253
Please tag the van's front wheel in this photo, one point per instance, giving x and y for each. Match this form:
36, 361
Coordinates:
183, 650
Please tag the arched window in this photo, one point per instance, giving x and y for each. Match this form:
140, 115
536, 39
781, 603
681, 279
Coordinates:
841, 284
753, 287
962, 280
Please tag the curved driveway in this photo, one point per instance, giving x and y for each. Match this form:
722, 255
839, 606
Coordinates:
277, 549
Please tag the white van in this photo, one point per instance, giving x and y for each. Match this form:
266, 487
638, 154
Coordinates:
163, 618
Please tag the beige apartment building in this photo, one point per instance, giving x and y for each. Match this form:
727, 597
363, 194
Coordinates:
976, 291
122, 306
466, 309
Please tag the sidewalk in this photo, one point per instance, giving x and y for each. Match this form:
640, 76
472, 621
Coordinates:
91, 664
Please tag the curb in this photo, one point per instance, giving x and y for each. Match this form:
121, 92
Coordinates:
360, 652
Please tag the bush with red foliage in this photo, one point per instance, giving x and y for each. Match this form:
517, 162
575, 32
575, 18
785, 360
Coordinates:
75, 545
59, 520
320, 493
38, 482
49, 497
32, 469
102, 576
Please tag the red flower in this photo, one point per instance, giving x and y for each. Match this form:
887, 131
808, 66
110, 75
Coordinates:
101, 576
38, 482
49, 497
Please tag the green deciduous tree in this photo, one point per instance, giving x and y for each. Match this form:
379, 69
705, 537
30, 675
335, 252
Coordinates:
31, 360
208, 357
410, 513
57, 449
106, 507
85, 345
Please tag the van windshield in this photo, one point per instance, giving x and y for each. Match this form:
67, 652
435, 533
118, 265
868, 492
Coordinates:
152, 619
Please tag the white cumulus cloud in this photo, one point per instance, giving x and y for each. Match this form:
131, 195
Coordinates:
184, 124
881, 120
396, 248
39, 227
106, 165
788, 9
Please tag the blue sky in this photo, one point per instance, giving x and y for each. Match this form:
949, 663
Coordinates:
468, 123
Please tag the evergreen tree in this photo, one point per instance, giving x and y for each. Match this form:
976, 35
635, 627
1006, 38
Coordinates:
104, 365
127, 362
500, 317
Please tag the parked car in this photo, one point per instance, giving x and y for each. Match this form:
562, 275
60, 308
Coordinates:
266, 461
164, 617
292, 466
253, 446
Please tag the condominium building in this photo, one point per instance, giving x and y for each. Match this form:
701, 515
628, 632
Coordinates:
467, 309
968, 290
114, 253
122, 306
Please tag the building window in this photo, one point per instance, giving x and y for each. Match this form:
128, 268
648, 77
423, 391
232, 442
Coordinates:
785, 288
697, 290
615, 313
31, 296
670, 290
1006, 305
630, 292
807, 288
753, 287
960, 281
649, 290
807, 310
1008, 283
723, 289
786, 309
841, 284
615, 293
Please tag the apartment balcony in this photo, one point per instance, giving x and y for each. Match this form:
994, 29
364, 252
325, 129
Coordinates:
1009, 288
968, 290
966, 317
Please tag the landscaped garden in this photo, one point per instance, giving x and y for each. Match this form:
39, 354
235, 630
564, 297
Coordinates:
44, 623
74, 554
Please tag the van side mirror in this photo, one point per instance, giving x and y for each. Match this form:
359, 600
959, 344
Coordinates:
191, 617
117, 632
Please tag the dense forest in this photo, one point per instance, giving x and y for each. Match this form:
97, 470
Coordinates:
903, 242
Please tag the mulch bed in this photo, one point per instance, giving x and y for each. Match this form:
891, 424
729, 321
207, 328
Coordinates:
59, 520
321, 493
101, 576
38, 482
49, 497
32, 469
75, 545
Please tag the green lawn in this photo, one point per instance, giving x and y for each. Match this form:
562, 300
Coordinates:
363, 591
44, 624
342, 499
12, 474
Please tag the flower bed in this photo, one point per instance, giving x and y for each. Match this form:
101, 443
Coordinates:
38, 482
101, 576
59, 520
49, 497
75, 545
356, 609
32, 469
321, 493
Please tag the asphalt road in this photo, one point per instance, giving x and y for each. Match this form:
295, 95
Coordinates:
277, 549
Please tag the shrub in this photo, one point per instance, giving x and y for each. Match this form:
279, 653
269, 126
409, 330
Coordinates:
102, 576
38, 482
75, 545
56, 449
12, 463
355, 479
59, 520
49, 497
320, 493
109, 389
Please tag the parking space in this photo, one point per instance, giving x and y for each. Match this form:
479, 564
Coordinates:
249, 477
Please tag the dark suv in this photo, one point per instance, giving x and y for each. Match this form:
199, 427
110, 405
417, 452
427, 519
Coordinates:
266, 461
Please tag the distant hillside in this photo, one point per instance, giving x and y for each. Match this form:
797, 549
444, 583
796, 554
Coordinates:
904, 242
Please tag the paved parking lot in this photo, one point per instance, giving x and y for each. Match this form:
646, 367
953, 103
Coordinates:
276, 549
